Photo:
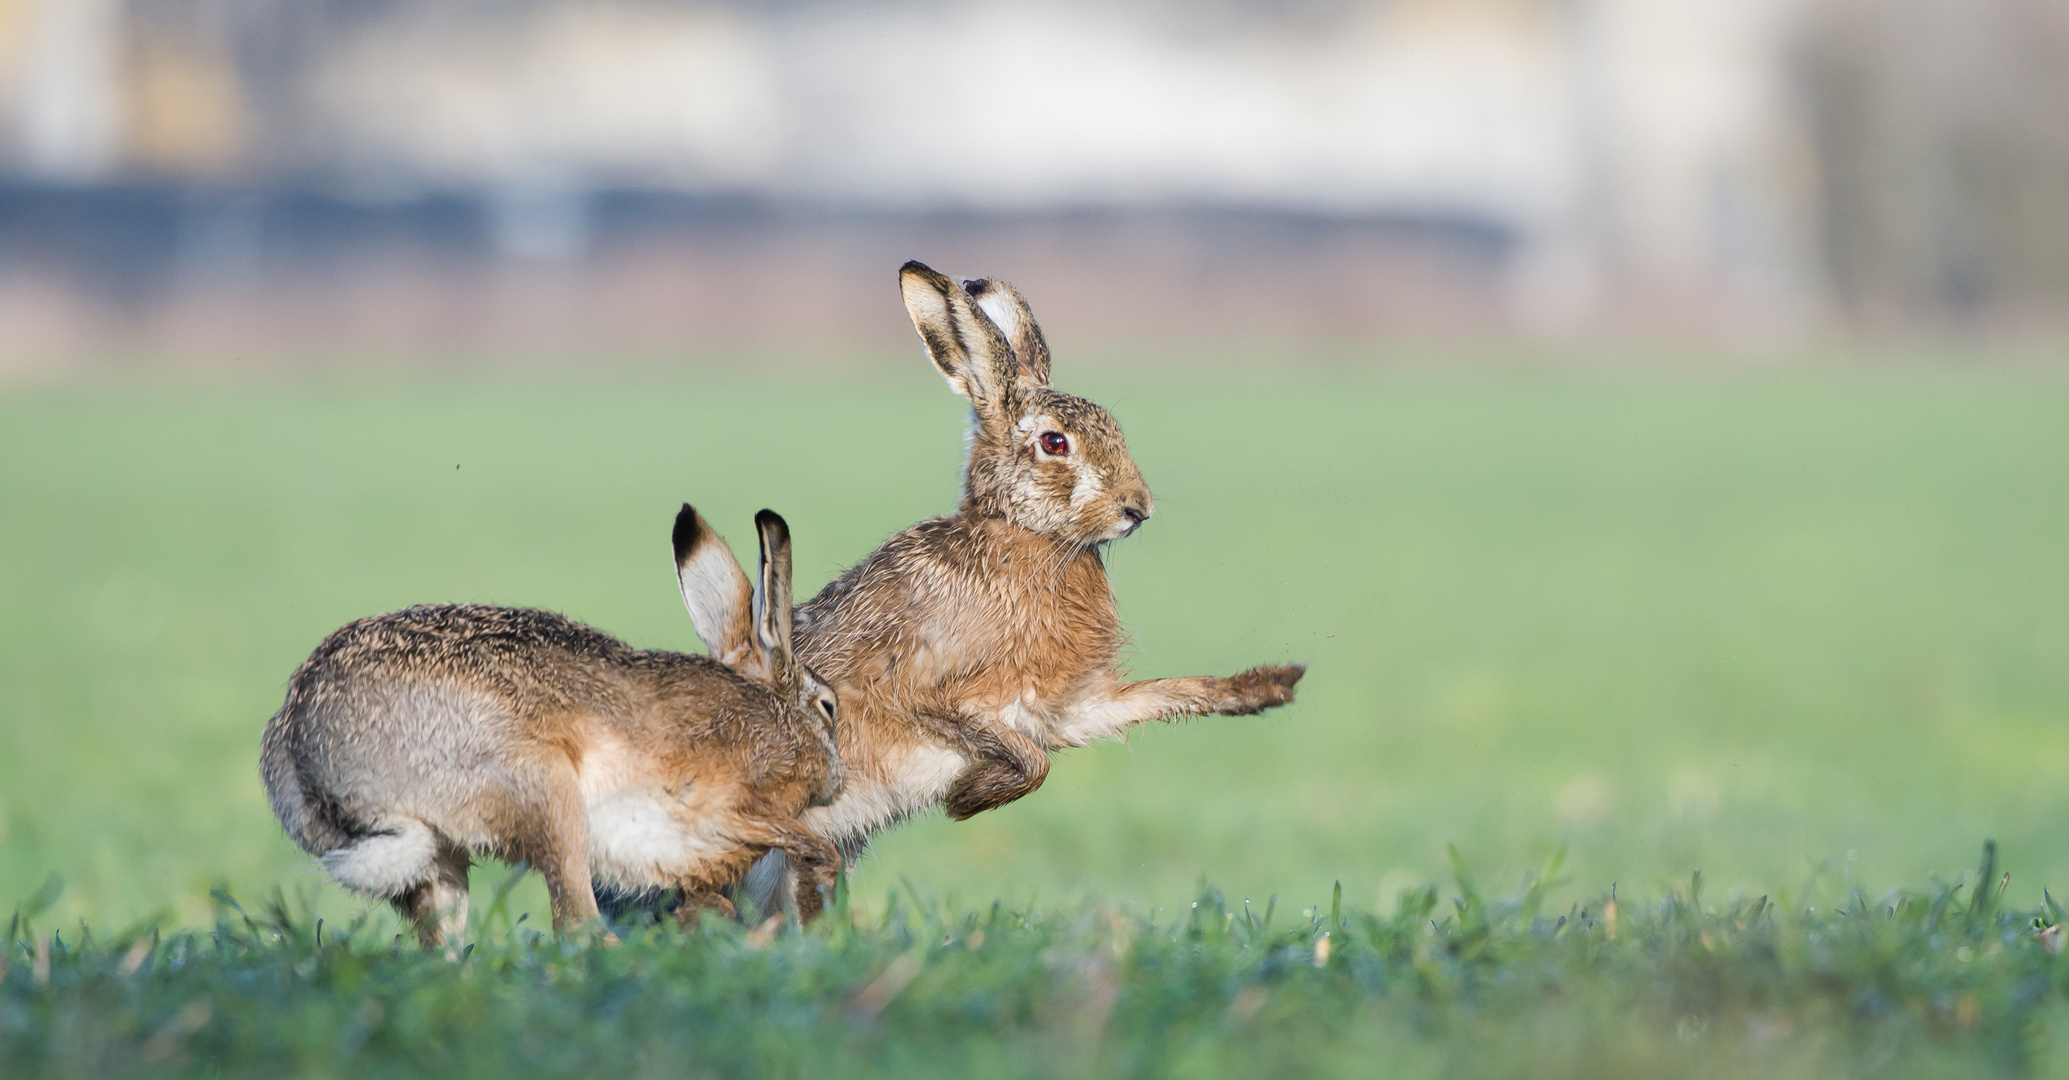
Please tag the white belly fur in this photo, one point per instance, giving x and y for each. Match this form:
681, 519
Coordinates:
1016, 715
641, 834
641, 839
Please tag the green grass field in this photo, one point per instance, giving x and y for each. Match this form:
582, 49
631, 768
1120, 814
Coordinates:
1936, 984
1800, 629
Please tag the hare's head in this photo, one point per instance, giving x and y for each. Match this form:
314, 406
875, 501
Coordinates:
747, 626
1042, 459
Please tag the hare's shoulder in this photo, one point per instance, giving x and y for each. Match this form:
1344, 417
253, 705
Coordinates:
942, 540
956, 564
697, 676
900, 563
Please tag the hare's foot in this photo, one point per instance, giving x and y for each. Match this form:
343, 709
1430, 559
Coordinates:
697, 899
818, 867
1011, 765
1261, 688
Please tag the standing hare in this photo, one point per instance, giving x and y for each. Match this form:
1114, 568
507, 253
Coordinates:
967, 647
414, 740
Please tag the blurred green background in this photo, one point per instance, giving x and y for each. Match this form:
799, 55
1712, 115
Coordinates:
1744, 620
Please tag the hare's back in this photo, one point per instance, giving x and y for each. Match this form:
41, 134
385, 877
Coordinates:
532, 663
433, 701
461, 639
522, 649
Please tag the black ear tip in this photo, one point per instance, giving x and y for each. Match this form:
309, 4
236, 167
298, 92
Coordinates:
976, 286
771, 521
914, 266
687, 530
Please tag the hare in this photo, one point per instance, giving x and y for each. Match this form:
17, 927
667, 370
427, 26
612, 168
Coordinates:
967, 647
411, 741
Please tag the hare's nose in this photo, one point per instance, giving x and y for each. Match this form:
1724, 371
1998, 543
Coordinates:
1135, 517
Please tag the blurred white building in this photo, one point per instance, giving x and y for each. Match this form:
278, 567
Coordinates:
1649, 140
1646, 161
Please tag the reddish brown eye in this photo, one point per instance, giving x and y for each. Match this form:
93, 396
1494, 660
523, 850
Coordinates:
1053, 442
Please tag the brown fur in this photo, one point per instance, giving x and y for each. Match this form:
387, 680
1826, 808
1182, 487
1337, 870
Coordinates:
966, 648
411, 741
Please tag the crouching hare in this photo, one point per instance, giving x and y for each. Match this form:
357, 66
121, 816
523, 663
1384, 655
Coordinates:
414, 740
967, 647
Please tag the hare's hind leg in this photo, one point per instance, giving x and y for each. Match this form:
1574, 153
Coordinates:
438, 907
413, 867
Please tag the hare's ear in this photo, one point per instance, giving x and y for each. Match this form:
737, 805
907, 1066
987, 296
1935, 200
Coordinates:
966, 345
1008, 310
714, 588
772, 600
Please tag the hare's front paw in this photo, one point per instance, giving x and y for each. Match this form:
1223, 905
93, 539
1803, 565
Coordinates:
818, 875
993, 782
1260, 688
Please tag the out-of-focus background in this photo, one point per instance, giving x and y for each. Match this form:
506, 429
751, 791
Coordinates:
224, 179
1647, 417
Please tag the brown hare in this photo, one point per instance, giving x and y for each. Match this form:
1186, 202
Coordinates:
412, 741
967, 647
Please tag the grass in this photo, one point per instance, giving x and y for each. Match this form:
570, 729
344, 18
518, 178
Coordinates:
1935, 984
1781, 626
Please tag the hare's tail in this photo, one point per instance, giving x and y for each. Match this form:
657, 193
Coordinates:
387, 863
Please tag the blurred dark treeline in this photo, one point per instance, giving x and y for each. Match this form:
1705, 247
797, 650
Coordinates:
337, 176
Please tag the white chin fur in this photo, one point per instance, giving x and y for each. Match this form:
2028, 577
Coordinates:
385, 864
916, 780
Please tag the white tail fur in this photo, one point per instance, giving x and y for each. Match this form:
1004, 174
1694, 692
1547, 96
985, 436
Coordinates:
385, 864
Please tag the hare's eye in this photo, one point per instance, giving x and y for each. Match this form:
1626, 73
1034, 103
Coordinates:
826, 707
1053, 442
